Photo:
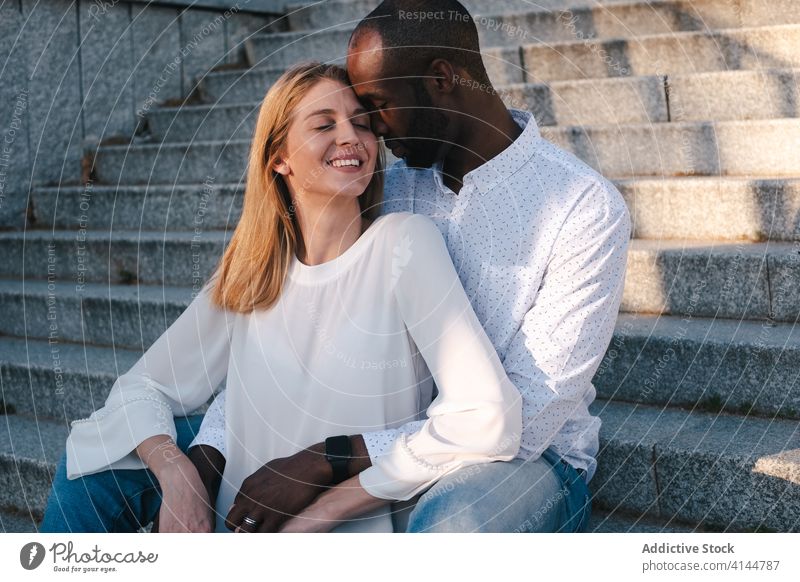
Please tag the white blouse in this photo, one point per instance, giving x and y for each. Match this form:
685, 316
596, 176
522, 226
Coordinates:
352, 345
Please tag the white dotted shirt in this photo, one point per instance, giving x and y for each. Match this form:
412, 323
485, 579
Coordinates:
539, 240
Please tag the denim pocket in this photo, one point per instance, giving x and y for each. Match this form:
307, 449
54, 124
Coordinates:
579, 502
577, 499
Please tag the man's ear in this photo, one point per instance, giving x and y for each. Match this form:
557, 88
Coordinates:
281, 166
442, 76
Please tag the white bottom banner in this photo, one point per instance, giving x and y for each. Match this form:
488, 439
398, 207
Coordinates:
187, 557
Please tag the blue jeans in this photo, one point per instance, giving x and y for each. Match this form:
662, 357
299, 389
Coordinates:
109, 501
545, 495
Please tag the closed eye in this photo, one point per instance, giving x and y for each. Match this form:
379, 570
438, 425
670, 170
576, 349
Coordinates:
371, 106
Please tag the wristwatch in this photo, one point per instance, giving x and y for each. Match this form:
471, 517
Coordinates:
338, 452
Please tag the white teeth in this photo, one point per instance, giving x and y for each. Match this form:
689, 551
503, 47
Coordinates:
340, 163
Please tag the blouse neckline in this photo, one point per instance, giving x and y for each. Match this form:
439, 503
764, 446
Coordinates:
311, 274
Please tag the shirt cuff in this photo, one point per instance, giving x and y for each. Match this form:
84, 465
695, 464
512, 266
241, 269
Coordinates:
400, 475
109, 437
379, 442
210, 437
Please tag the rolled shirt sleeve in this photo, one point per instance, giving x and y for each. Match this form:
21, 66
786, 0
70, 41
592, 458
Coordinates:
174, 377
476, 416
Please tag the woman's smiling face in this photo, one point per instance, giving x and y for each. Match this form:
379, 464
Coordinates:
330, 147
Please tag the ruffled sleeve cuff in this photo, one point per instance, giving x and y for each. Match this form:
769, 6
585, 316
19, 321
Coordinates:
109, 437
400, 475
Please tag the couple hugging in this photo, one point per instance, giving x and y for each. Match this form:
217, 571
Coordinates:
403, 350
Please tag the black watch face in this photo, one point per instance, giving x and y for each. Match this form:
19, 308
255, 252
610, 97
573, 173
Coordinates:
337, 447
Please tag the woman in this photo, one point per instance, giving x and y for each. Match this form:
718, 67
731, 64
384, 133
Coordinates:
325, 318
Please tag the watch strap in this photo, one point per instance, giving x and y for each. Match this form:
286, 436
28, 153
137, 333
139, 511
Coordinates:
338, 452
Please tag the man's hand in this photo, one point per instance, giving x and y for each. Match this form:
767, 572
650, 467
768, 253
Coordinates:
284, 487
279, 490
210, 465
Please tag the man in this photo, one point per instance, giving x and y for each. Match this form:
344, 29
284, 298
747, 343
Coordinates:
539, 241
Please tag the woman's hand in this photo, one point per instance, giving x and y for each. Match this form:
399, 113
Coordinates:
185, 505
338, 504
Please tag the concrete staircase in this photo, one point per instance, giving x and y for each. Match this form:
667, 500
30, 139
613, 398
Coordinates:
691, 107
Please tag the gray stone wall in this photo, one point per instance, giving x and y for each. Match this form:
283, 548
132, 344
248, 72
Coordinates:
75, 72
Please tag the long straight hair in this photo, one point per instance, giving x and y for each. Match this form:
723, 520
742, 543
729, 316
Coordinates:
251, 273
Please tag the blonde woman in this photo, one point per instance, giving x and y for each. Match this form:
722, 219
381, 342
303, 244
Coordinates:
326, 319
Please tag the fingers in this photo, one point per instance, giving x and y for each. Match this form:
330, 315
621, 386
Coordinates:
242, 519
249, 524
235, 516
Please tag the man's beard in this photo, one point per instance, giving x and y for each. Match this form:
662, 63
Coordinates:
426, 133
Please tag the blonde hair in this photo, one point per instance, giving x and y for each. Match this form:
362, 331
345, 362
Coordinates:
251, 273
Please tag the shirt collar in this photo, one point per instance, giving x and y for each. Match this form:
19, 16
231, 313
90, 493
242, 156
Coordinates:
508, 162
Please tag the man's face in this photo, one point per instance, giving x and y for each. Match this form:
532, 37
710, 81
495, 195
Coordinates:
402, 111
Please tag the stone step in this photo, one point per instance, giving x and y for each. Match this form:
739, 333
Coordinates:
734, 148
119, 316
743, 208
725, 96
628, 20
713, 279
503, 63
612, 101
715, 148
741, 367
311, 16
197, 162
717, 96
220, 121
674, 208
29, 451
749, 368
733, 95
663, 464
676, 277
288, 48
59, 380
283, 49
711, 13
118, 257
714, 470
178, 207
12, 522
238, 85
603, 521
754, 48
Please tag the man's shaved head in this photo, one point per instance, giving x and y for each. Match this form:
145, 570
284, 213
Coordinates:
404, 62
413, 33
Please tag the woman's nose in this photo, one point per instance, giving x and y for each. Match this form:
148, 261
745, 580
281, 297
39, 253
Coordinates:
346, 132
